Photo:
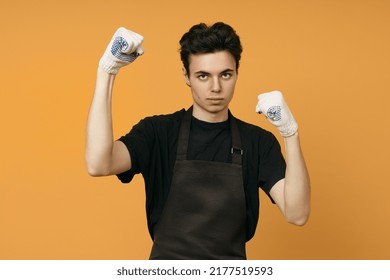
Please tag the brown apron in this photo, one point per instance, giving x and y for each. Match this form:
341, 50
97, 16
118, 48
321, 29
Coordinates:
204, 216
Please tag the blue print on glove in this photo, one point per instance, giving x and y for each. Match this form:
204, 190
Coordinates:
120, 44
274, 113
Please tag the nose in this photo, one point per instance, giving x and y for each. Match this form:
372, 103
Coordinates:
216, 85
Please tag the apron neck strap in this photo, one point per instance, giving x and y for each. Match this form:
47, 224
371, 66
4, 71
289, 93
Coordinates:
184, 135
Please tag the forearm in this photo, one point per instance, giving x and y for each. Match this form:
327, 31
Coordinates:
99, 142
297, 183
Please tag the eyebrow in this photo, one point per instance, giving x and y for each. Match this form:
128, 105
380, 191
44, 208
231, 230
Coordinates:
205, 72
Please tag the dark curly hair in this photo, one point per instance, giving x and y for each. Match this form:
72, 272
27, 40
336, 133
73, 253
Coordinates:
202, 38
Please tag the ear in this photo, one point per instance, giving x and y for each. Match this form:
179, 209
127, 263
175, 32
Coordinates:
186, 78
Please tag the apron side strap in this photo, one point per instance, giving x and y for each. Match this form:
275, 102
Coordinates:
236, 150
184, 135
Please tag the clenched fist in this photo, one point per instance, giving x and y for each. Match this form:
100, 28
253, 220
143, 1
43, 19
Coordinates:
273, 106
124, 47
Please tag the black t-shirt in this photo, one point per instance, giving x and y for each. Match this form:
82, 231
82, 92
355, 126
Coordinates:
152, 145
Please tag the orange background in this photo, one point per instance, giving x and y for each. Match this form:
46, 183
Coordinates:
330, 58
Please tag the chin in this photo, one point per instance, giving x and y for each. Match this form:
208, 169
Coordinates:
212, 108
216, 108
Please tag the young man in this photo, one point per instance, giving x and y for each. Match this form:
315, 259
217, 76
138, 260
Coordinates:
202, 167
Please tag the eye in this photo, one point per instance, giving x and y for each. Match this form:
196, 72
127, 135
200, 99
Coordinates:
202, 77
226, 75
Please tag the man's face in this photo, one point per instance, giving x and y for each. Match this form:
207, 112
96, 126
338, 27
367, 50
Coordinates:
212, 79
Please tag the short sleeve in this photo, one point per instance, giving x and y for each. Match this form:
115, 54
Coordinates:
272, 165
137, 143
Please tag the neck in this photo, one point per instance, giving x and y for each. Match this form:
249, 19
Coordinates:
211, 117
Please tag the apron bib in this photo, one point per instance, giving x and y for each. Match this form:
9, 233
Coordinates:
204, 216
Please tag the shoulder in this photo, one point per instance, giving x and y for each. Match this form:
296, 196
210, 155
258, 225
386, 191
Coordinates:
162, 121
251, 130
165, 119
257, 139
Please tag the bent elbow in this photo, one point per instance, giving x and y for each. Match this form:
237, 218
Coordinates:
95, 171
300, 220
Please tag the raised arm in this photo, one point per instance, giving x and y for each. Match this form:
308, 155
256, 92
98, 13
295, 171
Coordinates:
104, 156
291, 194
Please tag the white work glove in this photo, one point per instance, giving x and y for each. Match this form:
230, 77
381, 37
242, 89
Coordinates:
124, 48
273, 106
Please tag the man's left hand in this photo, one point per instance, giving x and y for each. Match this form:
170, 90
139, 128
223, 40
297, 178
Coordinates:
273, 106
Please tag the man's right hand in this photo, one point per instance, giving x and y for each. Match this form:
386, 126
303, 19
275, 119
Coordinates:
124, 47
